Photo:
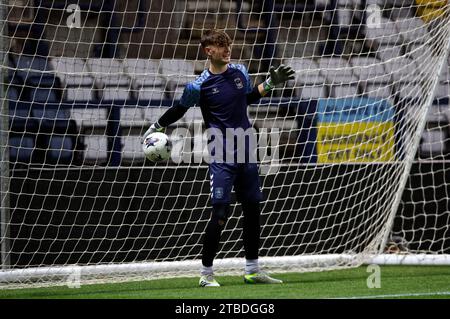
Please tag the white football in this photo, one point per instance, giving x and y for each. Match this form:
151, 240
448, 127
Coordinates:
157, 147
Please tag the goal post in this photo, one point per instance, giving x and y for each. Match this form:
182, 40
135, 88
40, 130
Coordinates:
354, 153
4, 153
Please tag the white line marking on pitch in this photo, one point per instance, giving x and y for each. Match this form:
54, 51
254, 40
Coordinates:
440, 293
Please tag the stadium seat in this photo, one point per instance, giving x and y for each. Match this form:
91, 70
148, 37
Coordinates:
108, 72
96, 148
110, 77
433, 143
409, 90
309, 83
144, 72
60, 149
21, 148
412, 29
52, 119
43, 94
419, 52
13, 86
385, 33
111, 93
337, 71
132, 116
444, 76
152, 114
20, 121
34, 71
308, 92
304, 68
80, 94
402, 69
344, 90
151, 93
177, 73
442, 90
31, 65
345, 13
12, 93
75, 78
389, 52
72, 72
89, 116
132, 148
377, 2
369, 68
310, 78
147, 81
177, 67
377, 89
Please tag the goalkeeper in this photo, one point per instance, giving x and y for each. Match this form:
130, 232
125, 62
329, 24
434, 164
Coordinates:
223, 93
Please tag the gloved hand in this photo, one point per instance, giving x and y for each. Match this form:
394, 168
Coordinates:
280, 75
155, 127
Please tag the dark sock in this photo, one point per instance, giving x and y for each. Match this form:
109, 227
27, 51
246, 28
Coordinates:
251, 229
214, 229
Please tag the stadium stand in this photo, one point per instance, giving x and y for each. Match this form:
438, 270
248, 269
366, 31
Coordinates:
147, 81
389, 52
110, 79
177, 73
75, 78
155, 80
21, 148
385, 33
309, 82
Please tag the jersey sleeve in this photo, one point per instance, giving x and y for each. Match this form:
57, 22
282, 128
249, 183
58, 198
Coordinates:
249, 82
191, 95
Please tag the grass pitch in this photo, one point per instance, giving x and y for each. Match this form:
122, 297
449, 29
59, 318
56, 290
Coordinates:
395, 282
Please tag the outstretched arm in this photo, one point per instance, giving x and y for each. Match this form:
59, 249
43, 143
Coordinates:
277, 76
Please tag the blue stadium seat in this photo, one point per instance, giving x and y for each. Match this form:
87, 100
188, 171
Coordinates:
20, 120
30, 66
33, 71
44, 95
21, 149
13, 87
52, 119
60, 149
12, 93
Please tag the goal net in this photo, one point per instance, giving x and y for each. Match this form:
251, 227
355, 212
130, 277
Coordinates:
353, 153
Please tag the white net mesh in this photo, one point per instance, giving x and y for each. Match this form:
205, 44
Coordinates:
84, 81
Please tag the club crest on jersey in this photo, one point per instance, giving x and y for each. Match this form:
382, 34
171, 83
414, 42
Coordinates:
218, 193
238, 83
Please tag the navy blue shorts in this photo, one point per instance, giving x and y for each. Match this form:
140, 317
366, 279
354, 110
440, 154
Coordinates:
243, 176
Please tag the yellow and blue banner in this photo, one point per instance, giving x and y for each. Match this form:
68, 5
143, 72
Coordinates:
355, 130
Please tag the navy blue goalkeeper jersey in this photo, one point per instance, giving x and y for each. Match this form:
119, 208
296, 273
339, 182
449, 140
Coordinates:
221, 97
223, 102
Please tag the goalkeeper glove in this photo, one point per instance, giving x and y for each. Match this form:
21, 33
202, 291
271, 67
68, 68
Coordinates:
155, 127
278, 76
